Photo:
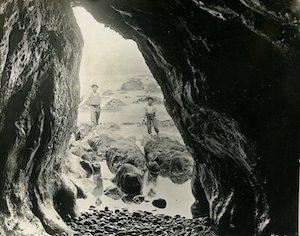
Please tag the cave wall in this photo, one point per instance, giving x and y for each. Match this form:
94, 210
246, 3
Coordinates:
40, 51
229, 71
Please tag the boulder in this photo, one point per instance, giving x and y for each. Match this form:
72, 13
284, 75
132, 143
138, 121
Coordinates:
101, 143
114, 105
129, 179
153, 167
82, 149
229, 71
159, 203
169, 157
124, 150
132, 85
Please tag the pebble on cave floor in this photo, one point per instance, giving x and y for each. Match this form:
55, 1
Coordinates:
121, 222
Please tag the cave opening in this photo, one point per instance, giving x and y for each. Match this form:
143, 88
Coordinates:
99, 153
229, 73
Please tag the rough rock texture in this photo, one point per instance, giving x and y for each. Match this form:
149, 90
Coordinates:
173, 159
129, 179
40, 51
132, 85
101, 144
122, 222
125, 150
229, 71
114, 105
82, 149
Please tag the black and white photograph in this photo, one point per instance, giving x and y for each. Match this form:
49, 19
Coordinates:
149, 117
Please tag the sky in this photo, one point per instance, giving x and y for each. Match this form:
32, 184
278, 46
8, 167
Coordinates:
108, 59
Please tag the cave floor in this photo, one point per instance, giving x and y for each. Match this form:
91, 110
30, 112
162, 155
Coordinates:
122, 222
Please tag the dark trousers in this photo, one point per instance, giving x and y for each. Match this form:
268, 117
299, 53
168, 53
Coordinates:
151, 122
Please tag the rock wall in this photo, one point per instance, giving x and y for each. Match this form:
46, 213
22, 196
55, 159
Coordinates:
40, 51
229, 71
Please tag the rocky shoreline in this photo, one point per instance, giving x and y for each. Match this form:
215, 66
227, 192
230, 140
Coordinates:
121, 222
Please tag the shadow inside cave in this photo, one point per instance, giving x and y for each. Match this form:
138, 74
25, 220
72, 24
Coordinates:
117, 164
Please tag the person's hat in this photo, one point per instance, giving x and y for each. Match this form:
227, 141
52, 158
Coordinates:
94, 85
149, 97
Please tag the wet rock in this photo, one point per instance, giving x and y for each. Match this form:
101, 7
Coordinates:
236, 101
172, 158
101, 143
132, 85
114, 105
129, 179
153, 167
138, 199
82, 149
124, 150
159, 203
121, 222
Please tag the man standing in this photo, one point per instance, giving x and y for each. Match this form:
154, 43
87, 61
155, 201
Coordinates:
95, 104
150, 116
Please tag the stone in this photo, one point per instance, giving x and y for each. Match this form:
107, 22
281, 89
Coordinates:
235, 101
129, 179
101, 143
153, 167
138, 199
170, 158
114, 105
124, 150
159, 203
132, 85
82, 149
